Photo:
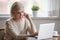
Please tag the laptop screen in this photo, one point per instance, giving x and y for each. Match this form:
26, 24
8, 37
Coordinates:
46, 30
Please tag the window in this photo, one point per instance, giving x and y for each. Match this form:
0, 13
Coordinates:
48, 8
3, 6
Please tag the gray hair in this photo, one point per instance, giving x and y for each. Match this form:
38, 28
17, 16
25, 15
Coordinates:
16, 6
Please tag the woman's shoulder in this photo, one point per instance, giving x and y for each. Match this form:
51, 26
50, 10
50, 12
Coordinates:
9, 19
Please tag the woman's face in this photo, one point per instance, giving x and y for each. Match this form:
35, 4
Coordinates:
19, 14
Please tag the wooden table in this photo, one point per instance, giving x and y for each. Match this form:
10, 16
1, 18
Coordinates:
54, 38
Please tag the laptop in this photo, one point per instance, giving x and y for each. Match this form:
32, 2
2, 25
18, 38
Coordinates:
46, 31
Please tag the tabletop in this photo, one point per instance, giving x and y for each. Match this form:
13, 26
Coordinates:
53, 38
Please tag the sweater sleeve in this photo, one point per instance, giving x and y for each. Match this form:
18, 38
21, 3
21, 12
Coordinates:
10, 30
31, 29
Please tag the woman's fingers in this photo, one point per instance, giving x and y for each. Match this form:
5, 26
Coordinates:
26, 15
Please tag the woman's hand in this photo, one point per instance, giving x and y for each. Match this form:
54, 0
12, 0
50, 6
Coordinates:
27, 16
33, 35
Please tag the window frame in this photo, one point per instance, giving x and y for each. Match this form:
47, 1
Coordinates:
6, 15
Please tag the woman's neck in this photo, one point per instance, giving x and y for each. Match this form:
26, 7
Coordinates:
17, 20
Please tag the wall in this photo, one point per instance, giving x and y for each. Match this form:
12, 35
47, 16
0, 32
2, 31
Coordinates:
37, 22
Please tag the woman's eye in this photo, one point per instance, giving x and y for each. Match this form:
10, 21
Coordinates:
18, 12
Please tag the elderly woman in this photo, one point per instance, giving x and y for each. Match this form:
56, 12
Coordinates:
20, 25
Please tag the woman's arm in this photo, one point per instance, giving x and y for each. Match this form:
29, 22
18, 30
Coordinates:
32, 33
10, 30
31, 30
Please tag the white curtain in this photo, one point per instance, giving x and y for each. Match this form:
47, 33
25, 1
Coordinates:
48, 8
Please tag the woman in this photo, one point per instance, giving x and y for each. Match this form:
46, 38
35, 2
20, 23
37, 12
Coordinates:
19, 24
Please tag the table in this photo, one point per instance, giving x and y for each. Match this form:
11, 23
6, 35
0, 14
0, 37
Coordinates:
54, 38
